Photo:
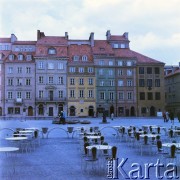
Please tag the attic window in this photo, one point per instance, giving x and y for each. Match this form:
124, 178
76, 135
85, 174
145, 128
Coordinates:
20, 57
115, 45
29, 57
102, 49
51, 51
84, 58
76, 58
123, 46
11, 57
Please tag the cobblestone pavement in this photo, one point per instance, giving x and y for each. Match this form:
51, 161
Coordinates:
58, 157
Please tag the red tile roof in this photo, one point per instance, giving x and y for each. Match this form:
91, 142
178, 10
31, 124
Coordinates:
117, 38
53, 40
24, 43
173, 73
5, 40
80, 50
102, 47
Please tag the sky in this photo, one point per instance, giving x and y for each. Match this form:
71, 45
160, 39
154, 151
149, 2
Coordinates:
153, 25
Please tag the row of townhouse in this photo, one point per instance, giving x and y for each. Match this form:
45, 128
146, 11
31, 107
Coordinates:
81, 77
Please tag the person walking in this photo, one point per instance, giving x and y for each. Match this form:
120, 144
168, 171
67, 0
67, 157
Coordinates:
112, 116
164, 116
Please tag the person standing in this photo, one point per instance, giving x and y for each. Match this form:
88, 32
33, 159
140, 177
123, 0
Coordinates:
164, 116
167, 116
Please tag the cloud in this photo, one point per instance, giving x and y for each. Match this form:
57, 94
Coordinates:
151, 24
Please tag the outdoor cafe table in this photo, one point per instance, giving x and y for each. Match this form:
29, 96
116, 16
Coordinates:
100, 147
8, 149
26, 131
16, 138
170, 144
149, 135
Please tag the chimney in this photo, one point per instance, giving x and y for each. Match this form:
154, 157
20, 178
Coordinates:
91, 38
66, 35
40, 34
13, 38
126, 35
108, 35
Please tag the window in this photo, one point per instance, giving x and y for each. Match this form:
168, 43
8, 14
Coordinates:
10, 82
76, 58
141, 83
81, 81
149, 70
17, 110
19, 70
149, 82
115, 46
28, 95
157, 70
50, 65
60, 94
111, 95
121, 95
143, 110
20, 57
110, 63
90, 70
81, 69
110, 72
84, 58
150, 96
101, 71
60, 80
72, 93
111, 82
142, 95
123, 46
72, 81
120, 72
29, 57
11, 57
120, 83
129, 63
102, 95
10, 95
10, 110
10, 70
41, 79
72, 69
28, 70
141, 70
81, 93
50, 80
129, 82
101, 83
101, 62
129, 72
19, 82
19, 94
41, 94
120, 63
40, 65
157, 82
129, 95
61, 65
157, 96
90, 81
28, 82
90, 93
51, 51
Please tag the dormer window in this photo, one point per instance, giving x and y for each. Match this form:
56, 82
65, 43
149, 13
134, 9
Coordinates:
11, 57
76, 58
84, 58
20, 57
29, 57
123, 46
115, 46
51, 51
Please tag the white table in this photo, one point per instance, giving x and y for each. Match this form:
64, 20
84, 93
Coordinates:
100, 147
93, 137
16, 138
8, 149
170, 144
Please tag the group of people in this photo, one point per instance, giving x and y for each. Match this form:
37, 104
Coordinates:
168, 116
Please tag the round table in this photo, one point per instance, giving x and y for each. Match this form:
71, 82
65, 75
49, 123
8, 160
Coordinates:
16, 138
170, 144
8, 149
100, 147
